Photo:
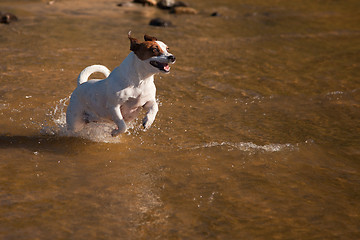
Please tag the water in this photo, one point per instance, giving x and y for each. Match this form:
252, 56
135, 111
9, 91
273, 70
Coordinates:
257, 135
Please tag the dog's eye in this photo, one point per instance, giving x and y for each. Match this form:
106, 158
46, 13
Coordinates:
155, 50
167, 48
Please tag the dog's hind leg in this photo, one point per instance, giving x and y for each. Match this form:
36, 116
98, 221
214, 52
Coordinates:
75, 117
75, 122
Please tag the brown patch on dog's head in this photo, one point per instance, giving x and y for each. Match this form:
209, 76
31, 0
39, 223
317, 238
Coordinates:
149, 38
147, 49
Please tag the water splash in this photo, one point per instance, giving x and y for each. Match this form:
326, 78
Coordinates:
56, 125
248, 146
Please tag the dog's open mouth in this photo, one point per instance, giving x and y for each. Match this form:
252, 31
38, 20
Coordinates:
161, 66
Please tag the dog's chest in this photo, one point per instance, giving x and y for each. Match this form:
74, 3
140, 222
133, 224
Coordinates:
133, 102
133, 105
136, 97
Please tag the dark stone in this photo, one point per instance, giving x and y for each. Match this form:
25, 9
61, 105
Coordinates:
146, 2
166, 4
125, 4
215, 14
170, 4
159, 22
7, 18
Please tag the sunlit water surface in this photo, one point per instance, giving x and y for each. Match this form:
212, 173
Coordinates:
257, 136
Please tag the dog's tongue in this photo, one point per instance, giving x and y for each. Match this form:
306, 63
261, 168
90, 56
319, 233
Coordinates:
166, 67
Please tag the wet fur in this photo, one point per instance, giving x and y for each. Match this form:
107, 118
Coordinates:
125, 92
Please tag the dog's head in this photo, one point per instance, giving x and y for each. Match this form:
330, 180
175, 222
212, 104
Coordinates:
153, 52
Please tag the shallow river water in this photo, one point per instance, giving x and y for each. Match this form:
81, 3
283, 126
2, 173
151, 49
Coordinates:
257, 135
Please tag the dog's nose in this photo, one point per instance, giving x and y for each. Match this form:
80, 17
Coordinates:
172, 58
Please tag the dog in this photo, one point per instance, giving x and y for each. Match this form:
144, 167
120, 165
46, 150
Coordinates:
124, 92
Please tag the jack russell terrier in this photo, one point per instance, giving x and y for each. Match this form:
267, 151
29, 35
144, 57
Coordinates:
124, 92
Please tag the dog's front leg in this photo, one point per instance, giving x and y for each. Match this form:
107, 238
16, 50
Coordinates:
118, 119
152, 108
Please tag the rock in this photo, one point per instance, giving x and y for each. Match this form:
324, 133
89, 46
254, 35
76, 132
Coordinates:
215, 14
169, 4
125, 4
146, 2
159, 22
183, 10
166, 4
7, 18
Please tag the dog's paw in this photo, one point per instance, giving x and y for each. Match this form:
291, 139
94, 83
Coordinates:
147, 123
118, 130
115, 132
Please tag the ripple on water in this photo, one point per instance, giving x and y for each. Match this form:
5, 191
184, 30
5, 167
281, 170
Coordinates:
249, 146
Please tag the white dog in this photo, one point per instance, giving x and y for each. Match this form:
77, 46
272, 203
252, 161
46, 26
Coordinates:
124, 92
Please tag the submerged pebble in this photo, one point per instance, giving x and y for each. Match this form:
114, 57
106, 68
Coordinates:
166, 4
159, 22
169, 4
215, 14
125, 4
7, 18
146, 2
176, 7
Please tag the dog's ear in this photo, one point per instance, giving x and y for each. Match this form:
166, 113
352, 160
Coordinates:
134, 43
149, 38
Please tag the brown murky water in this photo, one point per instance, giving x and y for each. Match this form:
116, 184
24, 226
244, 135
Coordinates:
257, 136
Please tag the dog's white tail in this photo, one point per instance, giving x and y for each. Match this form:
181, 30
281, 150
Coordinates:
85, 74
